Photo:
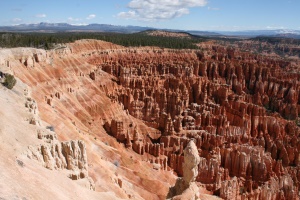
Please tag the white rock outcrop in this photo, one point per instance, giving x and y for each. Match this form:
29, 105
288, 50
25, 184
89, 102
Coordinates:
186, 188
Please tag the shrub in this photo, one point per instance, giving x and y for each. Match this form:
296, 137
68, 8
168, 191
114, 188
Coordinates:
20, 163
116, 163
9, 81
51, 128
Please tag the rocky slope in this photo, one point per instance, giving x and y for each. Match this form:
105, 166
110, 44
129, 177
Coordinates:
75, 106
242, 109
25, 139
136, 109
168, 34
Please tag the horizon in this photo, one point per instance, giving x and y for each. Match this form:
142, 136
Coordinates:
200, 15
285, 31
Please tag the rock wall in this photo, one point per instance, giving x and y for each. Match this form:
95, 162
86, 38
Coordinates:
56, 155
73, 99
241, 109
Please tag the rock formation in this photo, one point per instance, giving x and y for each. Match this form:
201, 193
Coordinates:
70, 155
64, 80
186, 188
53, 154
241, 109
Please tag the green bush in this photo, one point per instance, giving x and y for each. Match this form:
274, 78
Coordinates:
9, 81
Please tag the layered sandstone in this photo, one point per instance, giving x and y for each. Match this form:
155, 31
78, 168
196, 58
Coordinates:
139, 107
21, 139
62, 84
241, 109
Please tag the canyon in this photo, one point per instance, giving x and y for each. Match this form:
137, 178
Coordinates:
113, 122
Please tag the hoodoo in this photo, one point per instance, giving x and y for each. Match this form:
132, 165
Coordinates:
133, 122
186, 188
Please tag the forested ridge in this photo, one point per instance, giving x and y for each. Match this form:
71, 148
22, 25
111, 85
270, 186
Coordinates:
49, 40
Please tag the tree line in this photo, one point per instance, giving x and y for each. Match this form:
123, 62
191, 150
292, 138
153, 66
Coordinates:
49, 40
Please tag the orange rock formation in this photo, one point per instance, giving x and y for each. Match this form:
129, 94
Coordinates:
240, 109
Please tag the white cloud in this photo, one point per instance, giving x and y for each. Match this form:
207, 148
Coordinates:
275, 27
41, 15
91, 16
211, 8
127, 15
79, 24
152, 10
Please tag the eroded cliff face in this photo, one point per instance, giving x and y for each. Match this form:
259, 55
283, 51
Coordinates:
241, 109
62, 170
137, 109
74, 103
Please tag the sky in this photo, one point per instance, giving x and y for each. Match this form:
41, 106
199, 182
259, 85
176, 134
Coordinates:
226, 15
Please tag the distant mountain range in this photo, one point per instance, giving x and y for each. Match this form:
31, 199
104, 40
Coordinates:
274, 33
56, 27
64, 27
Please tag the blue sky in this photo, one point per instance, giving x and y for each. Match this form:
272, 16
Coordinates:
175, 14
